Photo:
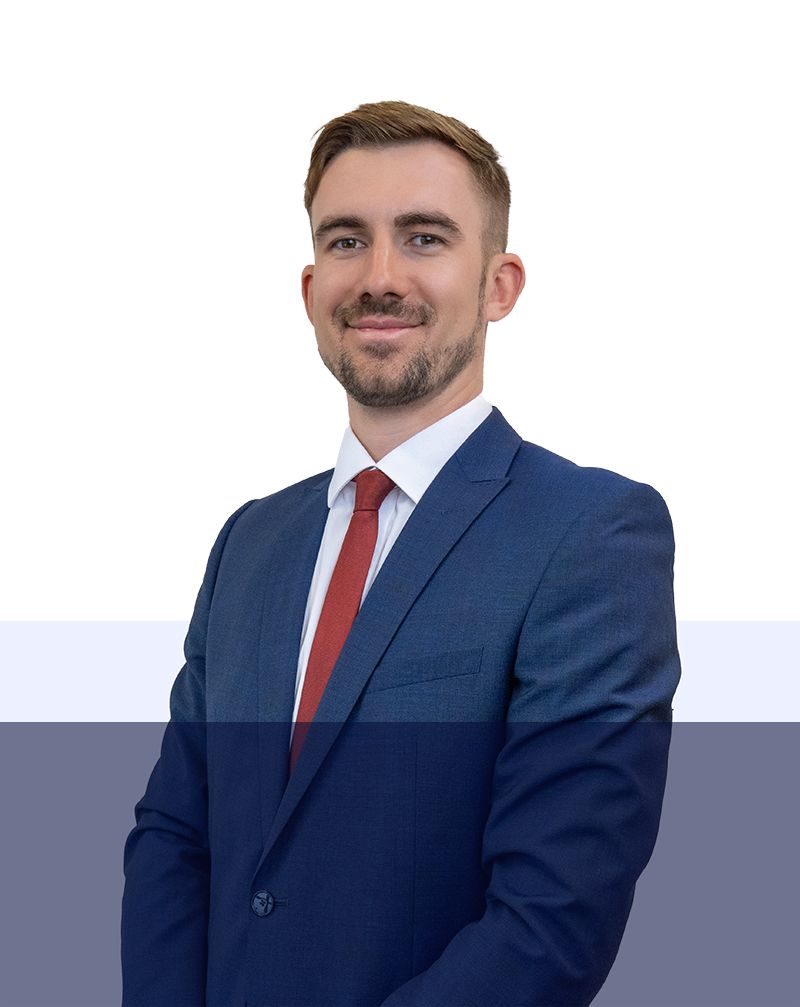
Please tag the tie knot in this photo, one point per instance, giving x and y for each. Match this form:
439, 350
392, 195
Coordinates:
372, 487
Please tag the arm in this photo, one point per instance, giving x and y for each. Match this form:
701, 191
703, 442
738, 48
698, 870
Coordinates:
578, 784
166, 860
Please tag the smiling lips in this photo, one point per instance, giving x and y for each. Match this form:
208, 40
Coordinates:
383, 326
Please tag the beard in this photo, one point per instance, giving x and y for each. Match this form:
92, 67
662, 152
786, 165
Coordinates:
427, 371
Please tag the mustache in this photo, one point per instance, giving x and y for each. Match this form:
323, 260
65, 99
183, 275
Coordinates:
376, 307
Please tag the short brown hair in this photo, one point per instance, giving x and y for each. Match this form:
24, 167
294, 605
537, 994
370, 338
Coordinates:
386, 123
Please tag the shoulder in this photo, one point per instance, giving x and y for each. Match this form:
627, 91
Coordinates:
267, 516
546, 472
542, 483
286, 499
568, 492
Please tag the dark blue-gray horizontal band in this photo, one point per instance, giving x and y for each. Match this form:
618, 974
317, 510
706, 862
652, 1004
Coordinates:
714, 921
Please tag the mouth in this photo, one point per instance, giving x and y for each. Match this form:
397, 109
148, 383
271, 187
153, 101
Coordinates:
383, 328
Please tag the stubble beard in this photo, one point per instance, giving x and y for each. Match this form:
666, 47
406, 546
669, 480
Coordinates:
425, 373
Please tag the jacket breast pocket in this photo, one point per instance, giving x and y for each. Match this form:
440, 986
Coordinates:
395, 673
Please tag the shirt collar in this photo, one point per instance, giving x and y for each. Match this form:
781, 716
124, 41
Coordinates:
414, 464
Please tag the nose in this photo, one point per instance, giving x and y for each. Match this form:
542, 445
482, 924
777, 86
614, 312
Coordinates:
385, 271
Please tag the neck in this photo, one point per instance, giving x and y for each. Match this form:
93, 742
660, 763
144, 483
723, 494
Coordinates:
381, 428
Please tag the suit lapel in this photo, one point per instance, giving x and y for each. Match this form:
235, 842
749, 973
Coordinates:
291, 567
466, 485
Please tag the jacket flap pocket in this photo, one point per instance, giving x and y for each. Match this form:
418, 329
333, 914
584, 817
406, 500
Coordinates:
394, 672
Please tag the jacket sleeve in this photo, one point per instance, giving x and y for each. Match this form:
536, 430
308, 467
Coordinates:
166, 857
579, 781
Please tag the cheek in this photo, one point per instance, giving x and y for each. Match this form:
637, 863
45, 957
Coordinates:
454, 287
454, 298
329, 293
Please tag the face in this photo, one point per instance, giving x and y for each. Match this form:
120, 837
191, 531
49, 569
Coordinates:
396, 294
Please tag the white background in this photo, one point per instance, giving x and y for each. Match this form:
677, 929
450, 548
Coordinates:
158, 368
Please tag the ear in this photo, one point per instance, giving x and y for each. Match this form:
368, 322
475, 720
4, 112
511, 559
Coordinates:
505, 278
307, 286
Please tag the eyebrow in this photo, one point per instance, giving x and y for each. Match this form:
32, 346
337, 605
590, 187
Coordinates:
329, 224
415, 218
428, 218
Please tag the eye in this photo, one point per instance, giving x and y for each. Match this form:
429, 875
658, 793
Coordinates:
345, 244
426, 240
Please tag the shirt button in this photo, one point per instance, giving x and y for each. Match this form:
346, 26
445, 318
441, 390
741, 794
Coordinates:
262, 903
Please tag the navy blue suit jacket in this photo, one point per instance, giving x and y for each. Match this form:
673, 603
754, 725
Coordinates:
482, 783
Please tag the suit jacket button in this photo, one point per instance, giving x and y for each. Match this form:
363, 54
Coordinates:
262, 903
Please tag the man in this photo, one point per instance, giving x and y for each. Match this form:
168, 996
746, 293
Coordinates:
479, 633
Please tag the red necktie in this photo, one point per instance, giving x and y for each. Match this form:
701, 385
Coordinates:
343, 598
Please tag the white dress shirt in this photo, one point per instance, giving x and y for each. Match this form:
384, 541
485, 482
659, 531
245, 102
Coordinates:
412, 466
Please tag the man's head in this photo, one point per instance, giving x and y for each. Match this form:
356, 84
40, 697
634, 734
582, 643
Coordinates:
409, 215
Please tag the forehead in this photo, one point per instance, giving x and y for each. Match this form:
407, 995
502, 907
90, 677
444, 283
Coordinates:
380, 184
